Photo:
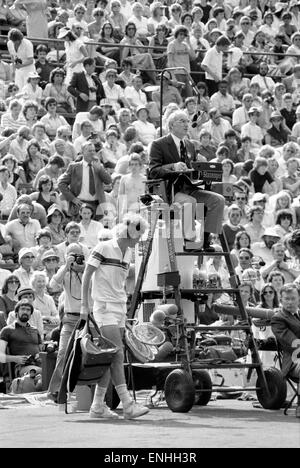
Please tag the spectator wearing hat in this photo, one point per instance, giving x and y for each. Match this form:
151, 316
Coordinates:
25, 271
55, 219
252, 130
22, 339
36, 319
23, 230
212, 63
50, 262
145, 130
31, 90
75, 49
265, 82
44, 243
113, 92
263, 248
277, 135
169, 92
216, 126
52, 120
8, 192
37, 211
86, 87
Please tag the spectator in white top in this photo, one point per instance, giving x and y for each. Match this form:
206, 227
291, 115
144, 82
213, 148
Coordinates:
25, 271
212, 63
240, 116
134, 94
245, 24
24, 229
89, 228
216, 126
86, 130
21, 52
222, 100
73, 233
8, 193
140, 21
252, 130
113, 92
79, 12
265, 82
94, 116
43, 301
146, 130
31, 90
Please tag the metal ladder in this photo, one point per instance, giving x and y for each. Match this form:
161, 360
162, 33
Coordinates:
179, 293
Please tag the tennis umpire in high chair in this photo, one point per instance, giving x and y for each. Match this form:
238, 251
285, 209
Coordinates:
170, 157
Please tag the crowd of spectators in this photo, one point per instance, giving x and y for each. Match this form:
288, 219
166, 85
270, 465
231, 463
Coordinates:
80, 112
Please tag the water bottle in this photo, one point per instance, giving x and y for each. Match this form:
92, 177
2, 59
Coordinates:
195, 275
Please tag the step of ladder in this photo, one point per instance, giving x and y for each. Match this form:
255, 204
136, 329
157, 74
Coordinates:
230, 365
198, 253
221, 327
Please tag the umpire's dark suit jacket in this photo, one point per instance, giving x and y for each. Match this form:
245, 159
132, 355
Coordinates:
286, 328
79, 84
163, 154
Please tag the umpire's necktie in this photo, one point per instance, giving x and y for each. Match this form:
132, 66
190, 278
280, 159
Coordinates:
91, 180
182, 152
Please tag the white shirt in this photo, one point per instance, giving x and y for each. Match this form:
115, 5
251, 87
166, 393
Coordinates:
84, 192
213, 60
134, 97
91, 84
141, 25
113, 94
265, 83
240, 117
217, 131
146, 131
89, 234
9, 198
108, 283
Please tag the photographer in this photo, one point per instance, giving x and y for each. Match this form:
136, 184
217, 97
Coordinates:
22, 339
70, 276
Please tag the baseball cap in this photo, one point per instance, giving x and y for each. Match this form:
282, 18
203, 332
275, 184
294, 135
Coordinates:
271, 232
105, 102
53, 208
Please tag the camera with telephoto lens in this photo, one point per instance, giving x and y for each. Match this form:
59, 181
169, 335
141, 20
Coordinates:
78, 258
18, 61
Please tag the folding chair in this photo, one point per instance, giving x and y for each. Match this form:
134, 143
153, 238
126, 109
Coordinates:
291, 380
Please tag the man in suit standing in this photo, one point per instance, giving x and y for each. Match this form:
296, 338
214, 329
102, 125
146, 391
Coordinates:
170, 157
83, 181
286, 327
86, 87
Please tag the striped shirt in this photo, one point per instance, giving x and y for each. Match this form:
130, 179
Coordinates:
108, 283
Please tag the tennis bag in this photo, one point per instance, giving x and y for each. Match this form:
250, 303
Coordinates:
87, 357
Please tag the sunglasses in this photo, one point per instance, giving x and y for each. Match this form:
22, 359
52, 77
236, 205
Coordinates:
244, 258
269, 292
51, 260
